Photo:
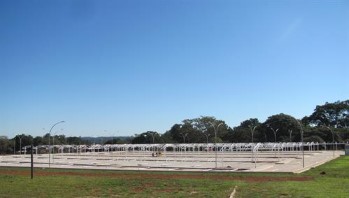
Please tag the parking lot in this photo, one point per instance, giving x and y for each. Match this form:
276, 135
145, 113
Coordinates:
264, 161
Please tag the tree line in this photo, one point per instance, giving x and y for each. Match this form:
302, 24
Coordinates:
328, 123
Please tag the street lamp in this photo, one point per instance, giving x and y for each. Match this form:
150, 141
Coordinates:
215, 140
145, 138
49, 143
332, 138
152, 135
207, 135
20, 144
290, 131
184, 135
105, 133
53, 145
114, 138
252, 128
275, 131
302, 133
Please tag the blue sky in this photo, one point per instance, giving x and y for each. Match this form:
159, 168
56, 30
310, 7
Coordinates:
123, 67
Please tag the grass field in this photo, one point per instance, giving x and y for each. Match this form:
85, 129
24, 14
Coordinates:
328, 180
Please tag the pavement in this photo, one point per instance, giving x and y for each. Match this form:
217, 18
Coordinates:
269, 161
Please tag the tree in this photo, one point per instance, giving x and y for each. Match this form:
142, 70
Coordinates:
58, 139
175, 133
6, 146
22, 141
198, 130
116, 140
148, 137
167, 137
46, 139
73, 140
243, 132
188, 133
276, 128
331, 114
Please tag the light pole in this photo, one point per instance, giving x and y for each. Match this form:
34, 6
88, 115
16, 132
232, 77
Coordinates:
49, 143
301, 130
20, 144
101, 140
114, 137
53, 145
184, 135
207, 135
290, 131
252, 128
152, 135
215, 140
275, 131
332, 138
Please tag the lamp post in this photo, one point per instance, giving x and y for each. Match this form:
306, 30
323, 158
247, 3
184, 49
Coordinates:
53, 145
332, 139
152, 135
114, 137
290, 131
207, 135
145, 138
252, 128
20, 144
49, 143
215, 140
275, 131
184, 135
301, 130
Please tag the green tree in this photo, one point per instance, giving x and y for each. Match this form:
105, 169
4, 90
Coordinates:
6, 145
38, 140
148, 137
330, 114
73, 140
198, 130
117, 140
185, 132
279, 127
22, 140
167, 137
243, 132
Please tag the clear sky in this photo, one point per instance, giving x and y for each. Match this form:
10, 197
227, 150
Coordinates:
121, 67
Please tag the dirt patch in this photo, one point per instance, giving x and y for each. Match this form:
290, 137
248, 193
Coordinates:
152, 175
143, 187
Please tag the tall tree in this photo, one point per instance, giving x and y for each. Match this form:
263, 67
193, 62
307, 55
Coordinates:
198, 130
243, 132
204, 128
22, 141
278, 128
331, 114
148, 137
6, 145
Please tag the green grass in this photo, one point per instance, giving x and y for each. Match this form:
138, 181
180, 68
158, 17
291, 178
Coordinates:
328, 180
99, 184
